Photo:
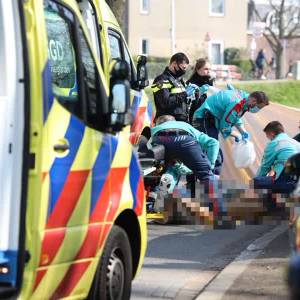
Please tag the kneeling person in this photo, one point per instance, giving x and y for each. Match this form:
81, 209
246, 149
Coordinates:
270, 174
184, 143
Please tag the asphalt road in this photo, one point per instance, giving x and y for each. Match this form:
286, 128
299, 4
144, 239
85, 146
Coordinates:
183, 260
266, 277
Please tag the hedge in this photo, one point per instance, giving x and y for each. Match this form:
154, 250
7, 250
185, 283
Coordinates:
285, 92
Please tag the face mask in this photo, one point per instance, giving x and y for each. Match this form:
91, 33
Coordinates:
179, 72
206, 79
254, 109
271, 138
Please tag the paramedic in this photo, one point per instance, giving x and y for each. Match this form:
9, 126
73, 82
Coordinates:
270, 174
225, 109
184, 143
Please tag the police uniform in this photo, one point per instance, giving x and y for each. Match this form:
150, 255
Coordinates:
170, 96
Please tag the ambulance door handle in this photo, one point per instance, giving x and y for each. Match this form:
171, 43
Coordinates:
61, 146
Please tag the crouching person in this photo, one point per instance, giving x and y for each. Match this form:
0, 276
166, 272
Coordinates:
270, 174
184, 143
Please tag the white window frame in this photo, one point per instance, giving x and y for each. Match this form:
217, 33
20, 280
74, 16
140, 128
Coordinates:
220, 42
213, 14
141, 46
142, 10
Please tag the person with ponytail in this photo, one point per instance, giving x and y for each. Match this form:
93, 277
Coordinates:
200, 77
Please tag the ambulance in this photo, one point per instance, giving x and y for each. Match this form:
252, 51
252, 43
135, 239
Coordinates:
72, 205
109, 43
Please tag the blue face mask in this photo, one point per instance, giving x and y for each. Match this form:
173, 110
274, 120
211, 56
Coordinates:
254, 109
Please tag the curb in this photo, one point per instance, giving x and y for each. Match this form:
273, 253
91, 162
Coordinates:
288, 107
217, 288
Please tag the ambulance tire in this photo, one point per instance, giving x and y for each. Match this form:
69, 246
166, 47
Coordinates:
114, 273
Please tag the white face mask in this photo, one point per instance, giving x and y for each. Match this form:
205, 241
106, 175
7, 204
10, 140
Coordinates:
254, 109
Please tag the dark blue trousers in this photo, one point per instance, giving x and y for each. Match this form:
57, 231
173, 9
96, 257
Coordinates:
186, 149
284, 184
207, 125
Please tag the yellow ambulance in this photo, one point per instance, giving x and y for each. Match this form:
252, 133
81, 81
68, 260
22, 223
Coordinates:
109, 43
72, 222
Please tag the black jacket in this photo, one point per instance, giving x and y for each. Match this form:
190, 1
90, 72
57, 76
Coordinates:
198, 80
297, 137
170, 96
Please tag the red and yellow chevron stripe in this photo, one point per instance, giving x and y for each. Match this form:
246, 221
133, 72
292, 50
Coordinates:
83, 193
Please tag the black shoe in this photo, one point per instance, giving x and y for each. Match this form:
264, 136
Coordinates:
224, 224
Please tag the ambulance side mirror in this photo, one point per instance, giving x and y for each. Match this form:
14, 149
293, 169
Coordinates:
142, 73
119, 96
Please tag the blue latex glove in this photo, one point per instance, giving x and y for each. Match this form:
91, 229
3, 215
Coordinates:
204, 88
181, 169
191, 89
237, 138
245, 136
230, 87
226, 132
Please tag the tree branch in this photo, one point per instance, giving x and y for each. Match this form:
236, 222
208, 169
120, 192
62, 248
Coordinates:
274, 7
271, 43
274, 36
284, 28
290, 34
281, 19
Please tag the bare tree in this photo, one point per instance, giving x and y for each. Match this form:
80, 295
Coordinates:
282, 24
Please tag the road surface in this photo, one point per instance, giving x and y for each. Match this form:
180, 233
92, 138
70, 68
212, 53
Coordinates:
182, 260
190, 262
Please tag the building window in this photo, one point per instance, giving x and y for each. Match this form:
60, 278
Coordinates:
145, 47
216, 52
216, 7
144, 6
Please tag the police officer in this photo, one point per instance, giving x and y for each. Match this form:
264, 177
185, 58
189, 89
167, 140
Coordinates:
169, 89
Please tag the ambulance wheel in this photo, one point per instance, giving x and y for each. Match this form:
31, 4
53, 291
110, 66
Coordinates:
114, 273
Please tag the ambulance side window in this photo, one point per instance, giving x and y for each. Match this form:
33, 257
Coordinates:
129, 61
61, 54
91, 79
74, 74
118, 49
115, 46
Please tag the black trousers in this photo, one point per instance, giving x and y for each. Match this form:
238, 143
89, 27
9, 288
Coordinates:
186, 149
207, 125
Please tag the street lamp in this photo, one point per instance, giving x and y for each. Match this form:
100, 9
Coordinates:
252, 48
207, 39
173, 24
257, 31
